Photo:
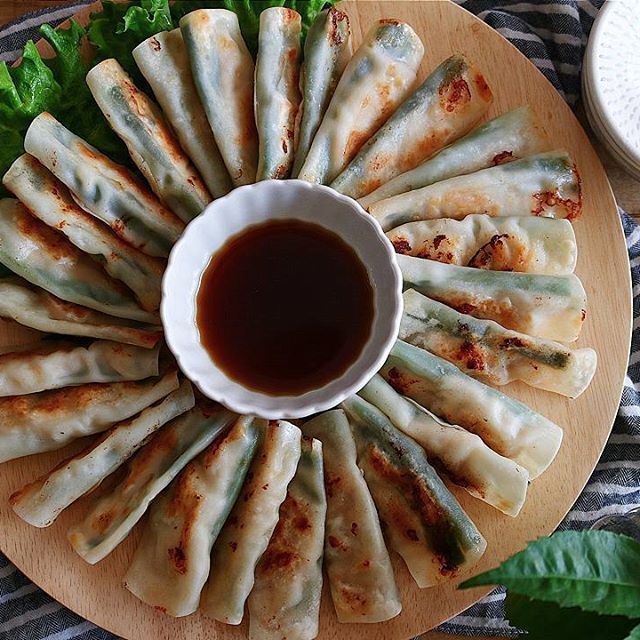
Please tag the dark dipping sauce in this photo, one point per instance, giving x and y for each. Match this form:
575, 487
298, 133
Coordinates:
285, 307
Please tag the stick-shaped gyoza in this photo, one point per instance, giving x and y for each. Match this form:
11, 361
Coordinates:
327, 49
36, 308
40, 502
513, 135
151, 470
49, 200
164, 62
547, 184
172, 561
247, 532
223, 72
551, 307
459, 454
444, 107
513, 243
363, 588
487, 351
138, 121
44, 257
375, 81
277, 92
61, 363
50, 420
285, 599
506, 425
423, 521
106, 190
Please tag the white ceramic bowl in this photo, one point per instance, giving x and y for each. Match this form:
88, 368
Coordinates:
254, 204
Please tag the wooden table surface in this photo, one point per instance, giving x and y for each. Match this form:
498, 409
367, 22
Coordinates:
626, 189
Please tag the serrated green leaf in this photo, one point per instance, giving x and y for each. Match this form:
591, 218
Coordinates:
634, 634
594, 570
549, 621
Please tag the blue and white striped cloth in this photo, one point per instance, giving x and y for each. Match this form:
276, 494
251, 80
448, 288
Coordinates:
553, 36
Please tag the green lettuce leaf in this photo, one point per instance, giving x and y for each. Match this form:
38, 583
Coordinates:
549, 621
593, 570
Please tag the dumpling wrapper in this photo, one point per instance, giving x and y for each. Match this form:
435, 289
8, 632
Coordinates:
513, 135
172, 561
423, 521
45, 257
112, 517
50, 201
41, 502
485, 350
444, 107
139, 123
547, 184
375, 81
103, 188
508, 426
164, 62
459, 454
363, 588
55, 364
50, 420
277, 93
36, 308
247, 532
550, 307
223, 72
327, 50
514, 243
285, 600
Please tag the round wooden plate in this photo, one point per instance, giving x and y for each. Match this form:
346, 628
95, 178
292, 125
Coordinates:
97, 593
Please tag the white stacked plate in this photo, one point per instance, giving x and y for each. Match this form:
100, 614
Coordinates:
611, 81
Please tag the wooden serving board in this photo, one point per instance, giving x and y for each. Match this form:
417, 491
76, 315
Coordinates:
96, 592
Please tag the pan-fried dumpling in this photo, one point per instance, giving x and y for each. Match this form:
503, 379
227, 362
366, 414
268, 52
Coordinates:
40, 502
551, 307
55, 364
423, 521
106, 190
50, 201
459, 454
113, 516
36, 308
513, 135
444, 107
223, 73
357, 562
506, 425
138, 121
485, 350
47, 259
327, 49
172, 561
50, 420
277, 93
514, 243
285, 600
546, 184
375, 81
246, 534
164, 62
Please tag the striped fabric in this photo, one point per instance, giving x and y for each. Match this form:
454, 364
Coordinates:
552, 35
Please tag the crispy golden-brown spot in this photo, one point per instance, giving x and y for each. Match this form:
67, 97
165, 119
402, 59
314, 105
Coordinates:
454, 94
502, 158
482, 87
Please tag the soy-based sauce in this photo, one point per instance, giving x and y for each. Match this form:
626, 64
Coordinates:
285, 307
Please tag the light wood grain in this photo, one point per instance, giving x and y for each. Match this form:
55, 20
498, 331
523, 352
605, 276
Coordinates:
96, 592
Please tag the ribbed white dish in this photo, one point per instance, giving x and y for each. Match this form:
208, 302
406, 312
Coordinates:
611, 81
254, 204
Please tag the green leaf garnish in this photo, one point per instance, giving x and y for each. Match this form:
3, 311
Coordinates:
549, 621
593, 570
